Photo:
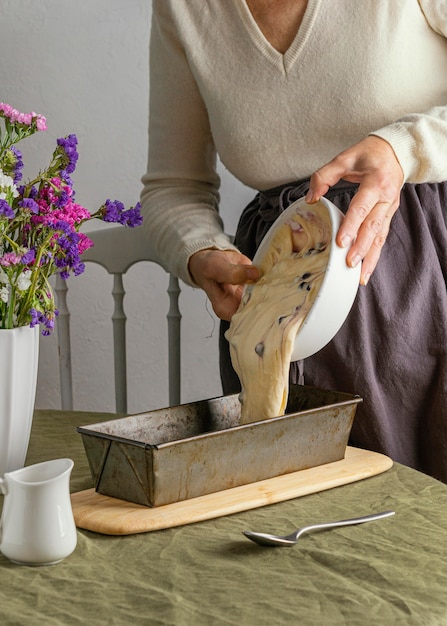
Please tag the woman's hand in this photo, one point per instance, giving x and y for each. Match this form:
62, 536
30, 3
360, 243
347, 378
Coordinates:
374, 165
222, 274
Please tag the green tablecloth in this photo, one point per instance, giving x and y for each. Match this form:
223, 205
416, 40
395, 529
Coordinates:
389, 572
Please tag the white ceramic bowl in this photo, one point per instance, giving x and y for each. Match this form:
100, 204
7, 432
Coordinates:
336, 294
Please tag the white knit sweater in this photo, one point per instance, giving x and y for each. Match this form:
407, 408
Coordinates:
218, 86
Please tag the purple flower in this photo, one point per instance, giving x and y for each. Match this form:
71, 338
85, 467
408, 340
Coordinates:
29, 203
69, 257
46, 319
66, 178
68, 145
29, 256
62, 198
35, 317
17, 163
68, 243
63, 226
48, 323
5, 209
132, 217
114, 211
79, 268
33, 192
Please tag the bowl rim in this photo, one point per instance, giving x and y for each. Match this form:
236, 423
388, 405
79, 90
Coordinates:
310, 339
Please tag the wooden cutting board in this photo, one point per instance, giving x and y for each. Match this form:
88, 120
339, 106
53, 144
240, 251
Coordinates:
111, 516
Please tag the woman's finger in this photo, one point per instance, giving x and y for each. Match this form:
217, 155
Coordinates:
370, 240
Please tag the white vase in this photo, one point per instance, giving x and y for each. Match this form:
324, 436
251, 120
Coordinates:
19, 354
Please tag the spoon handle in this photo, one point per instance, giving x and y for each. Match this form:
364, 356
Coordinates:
348, 522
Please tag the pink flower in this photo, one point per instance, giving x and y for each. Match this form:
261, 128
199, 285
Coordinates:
84, 243
10, 258
41, 122
6, 108
71, 213
23, 118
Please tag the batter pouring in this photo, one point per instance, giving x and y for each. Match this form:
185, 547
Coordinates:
263, 330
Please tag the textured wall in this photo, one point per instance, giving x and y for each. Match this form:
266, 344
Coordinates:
84, 65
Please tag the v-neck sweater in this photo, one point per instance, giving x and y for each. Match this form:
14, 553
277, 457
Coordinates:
218, 87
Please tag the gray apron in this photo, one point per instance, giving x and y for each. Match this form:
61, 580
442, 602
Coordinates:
392, 348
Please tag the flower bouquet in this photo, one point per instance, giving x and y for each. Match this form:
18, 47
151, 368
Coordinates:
40, 223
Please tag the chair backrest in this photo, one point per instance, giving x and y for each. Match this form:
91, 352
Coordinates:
117, 248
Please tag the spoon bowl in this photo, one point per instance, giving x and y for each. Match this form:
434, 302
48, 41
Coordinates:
265, 539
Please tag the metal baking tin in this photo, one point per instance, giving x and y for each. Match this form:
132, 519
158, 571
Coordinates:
177, 453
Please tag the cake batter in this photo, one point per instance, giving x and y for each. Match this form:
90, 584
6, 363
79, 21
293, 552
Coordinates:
262, 332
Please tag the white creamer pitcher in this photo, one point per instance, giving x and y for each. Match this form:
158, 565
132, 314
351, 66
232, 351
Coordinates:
37, 525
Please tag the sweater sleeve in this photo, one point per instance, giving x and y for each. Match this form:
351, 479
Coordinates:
420, 140
420, 144
180, 196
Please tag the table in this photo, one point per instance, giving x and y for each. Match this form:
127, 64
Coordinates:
389, 572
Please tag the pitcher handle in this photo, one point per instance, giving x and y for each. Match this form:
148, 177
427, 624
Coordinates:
4, 491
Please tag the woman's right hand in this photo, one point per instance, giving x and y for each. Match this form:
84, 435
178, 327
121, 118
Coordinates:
222, 274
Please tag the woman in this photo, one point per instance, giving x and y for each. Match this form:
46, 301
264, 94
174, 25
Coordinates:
312, 98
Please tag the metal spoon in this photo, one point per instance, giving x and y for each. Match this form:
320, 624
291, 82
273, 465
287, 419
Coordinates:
264, 539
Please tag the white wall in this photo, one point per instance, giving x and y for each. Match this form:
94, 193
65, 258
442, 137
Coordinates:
84, 65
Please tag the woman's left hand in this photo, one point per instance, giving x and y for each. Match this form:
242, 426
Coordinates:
372, 163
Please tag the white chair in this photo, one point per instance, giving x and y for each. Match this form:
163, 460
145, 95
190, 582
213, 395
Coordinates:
116, 249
